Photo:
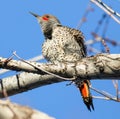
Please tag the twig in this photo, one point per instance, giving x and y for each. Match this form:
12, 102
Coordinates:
100, 22
83, 19
94, 50
98, 38
115, 84
40, 69
106, 25
108, 96
107, 9
36, 58
99, 97
105, 45
103, 35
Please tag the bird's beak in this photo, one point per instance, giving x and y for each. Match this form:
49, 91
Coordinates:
35, 15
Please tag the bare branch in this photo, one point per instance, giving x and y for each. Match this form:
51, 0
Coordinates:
84, 17
10, 110
107, 9
116, 86
36, 58
104, 66
106, 95
101, 66
23, 82
99, 38
94, 50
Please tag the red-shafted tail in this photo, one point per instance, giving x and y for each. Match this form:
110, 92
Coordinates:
85, 92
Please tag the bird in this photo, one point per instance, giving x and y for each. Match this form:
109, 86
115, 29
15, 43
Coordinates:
64, 44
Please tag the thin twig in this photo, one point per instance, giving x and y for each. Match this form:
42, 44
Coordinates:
115, 84
98, 38
107, 9
110, 97
84, 18
38, 68
100, 22
105, 45
99, 97
36, 58
107, 49
94, 50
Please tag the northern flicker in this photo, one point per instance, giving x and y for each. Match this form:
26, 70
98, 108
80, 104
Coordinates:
64, 44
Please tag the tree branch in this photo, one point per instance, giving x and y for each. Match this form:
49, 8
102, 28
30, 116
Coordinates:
101, 66
104, 66
10, 110
107, 9
23, 82
36, 58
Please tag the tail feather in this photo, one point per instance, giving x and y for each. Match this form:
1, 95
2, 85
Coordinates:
86, 95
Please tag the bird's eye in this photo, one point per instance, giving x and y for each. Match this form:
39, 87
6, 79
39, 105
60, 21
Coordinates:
46, 17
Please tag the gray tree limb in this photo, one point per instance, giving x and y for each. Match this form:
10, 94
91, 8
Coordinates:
23, 82
101, 66
9, 110
105, 66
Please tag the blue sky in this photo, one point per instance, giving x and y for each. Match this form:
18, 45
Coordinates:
20, 32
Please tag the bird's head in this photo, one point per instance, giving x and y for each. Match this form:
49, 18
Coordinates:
47, 22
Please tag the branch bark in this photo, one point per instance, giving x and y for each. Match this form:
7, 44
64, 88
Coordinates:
101, 66
104, 66
107, 9
23, 82
9, 110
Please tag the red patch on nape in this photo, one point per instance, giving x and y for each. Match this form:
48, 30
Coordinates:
45, 18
